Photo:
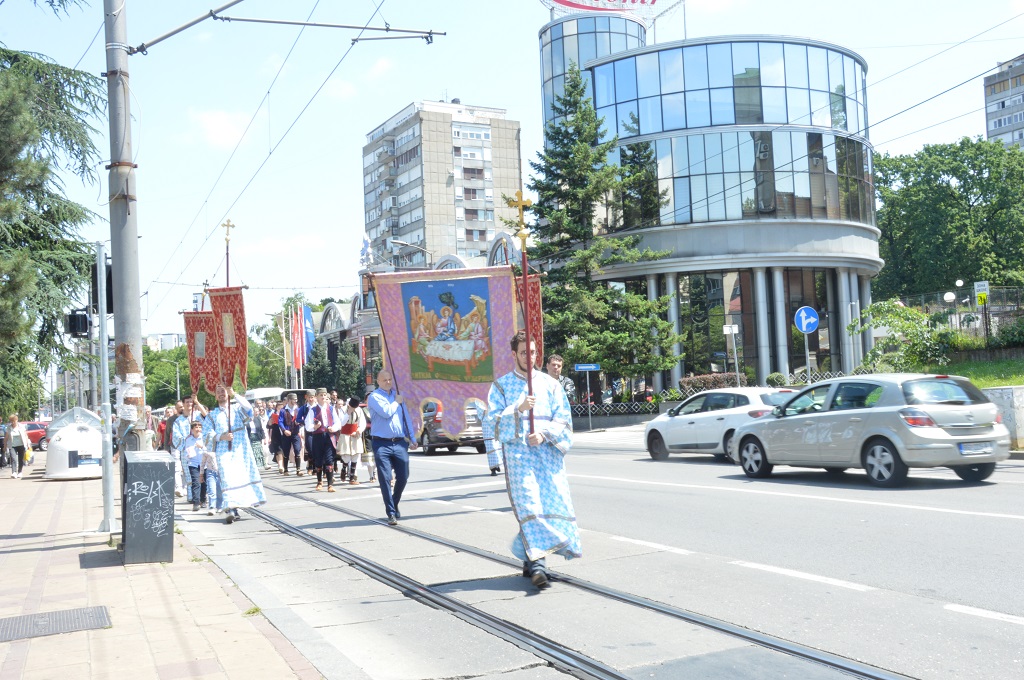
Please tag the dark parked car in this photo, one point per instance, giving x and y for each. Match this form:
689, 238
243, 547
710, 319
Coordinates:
434, 436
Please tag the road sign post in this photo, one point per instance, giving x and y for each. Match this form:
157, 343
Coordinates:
981, 293
806, 320
587, 368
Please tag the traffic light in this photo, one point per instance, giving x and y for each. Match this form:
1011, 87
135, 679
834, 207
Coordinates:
76, 323
94, 294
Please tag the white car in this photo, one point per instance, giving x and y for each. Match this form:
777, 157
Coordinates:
884, 424
705, 422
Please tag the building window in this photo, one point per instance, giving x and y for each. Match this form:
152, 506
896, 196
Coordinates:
473, 173
472, 214
457, 151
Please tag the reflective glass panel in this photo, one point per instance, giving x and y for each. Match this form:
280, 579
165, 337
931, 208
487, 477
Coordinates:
773, 101
559, 86
745, 69
784, 199
858, 86
610, 124
695, 147
569, 27
604, 44
681, 213
665, 189
625, 80
782, 150
545, 58
570, 47
713, 153
556, 31
838, 107
680, 157
673, 110
849, 76
748, 194
828, 150
748, 105
618, 41
549, 99
802, 194
663, 148
730, 152
796, 65
603, 24
585, 25
835, 73
650, 115
722, 111
557, 62
604, 85
588, 86
720, 65
695, 65
821, 109
800, 159
632, 43
698, 199
647, 81
588, 47
733, 197
632, 29
799, 102
817, 65
716, 198
628, 119
618, 25
698, 112
671, 63
545, 38
852, 117
773, 66
746, 151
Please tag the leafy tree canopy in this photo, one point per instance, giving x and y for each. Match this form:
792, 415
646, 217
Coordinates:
910, 343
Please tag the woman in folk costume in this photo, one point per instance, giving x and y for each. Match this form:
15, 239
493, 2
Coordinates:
239, 476
350, 442
538, 485
256, 435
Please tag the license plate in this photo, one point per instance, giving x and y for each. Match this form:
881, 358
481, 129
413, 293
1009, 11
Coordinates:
975, 448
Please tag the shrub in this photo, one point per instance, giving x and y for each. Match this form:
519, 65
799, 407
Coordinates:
1011, 334
708, 381
958, 341
776, 380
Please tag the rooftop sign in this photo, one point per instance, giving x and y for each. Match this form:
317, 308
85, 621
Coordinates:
645, 8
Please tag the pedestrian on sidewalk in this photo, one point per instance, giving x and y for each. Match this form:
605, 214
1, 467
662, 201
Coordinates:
350, 443
236, 467
193, 449
538, 486
16, 439
191, 411
391, 439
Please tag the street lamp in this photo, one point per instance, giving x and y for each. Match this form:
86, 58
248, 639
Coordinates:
406, 244
177, 377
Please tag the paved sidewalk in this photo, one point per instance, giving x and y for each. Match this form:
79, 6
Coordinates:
183, 619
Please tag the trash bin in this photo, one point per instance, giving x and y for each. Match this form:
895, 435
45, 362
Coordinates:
147, 506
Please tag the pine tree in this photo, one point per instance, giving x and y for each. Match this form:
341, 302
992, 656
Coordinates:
588, 320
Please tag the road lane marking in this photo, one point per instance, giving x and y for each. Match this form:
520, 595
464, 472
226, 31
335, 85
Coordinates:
783, 494
986, 614
656, 546
805, 576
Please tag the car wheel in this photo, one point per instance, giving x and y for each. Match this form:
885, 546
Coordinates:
425, 443
452, 448
656, 446
974, 473
43, 444
724, 455
753, 459
883, 464
481, 448
836, 471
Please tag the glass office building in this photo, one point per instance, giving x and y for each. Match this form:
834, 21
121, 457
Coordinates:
765, 180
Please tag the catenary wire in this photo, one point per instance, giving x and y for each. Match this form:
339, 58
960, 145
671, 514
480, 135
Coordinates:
91, 43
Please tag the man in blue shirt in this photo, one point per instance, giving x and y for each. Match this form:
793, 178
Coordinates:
391, 438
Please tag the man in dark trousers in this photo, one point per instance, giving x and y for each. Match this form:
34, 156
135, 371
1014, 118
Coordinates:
288, 422
307, 439
391, 438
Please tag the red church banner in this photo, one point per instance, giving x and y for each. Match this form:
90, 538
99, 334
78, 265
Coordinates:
536, 312
229, 311
203, 357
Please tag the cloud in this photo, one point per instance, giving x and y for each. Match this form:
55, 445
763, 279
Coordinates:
340, 90
220, 129
381, 67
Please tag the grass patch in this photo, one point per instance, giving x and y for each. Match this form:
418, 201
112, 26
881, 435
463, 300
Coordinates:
198, 559
177, 529
252, 611
988, 373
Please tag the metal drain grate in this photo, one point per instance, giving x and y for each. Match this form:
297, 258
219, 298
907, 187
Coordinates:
53, 623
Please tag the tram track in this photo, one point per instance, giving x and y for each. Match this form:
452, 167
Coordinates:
558, 655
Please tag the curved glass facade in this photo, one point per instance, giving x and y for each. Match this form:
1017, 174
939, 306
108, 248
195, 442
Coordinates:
731, 83
581, 40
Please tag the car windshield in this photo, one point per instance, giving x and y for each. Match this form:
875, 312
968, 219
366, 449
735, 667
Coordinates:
776, 398
957, 391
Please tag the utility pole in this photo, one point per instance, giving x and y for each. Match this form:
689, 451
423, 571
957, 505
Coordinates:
124, 245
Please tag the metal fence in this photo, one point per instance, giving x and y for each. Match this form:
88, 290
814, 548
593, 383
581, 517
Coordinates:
962, 313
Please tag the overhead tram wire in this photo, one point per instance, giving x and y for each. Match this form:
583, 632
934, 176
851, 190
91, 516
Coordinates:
238, 144
928, 127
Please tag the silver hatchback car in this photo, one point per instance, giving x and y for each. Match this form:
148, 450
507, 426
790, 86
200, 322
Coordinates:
883, 423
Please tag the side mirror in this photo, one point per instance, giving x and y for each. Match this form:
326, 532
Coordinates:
777, 412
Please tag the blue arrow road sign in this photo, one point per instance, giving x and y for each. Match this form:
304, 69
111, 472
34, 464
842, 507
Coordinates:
806, 319
588, 367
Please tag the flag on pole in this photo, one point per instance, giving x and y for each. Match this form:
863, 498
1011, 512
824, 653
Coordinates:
229, 310
297, 341
308, 334
203, 354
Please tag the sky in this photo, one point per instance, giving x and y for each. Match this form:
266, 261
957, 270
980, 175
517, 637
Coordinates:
264, 124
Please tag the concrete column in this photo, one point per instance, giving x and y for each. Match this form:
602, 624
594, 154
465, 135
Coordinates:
764, 346
857, 342
652, 294
781, 320
672, 288
843, 280
865, 302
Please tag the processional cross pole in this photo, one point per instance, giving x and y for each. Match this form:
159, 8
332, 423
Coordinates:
228, 226
520, 204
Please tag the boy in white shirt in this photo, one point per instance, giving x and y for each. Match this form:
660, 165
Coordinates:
193, 449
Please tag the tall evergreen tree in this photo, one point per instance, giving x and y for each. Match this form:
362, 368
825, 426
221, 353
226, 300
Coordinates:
588, 320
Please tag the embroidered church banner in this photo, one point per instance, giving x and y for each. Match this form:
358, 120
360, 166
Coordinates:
536, 312
203, 356
229, 310
446, 336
